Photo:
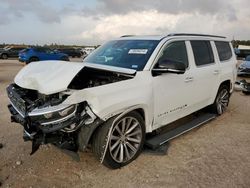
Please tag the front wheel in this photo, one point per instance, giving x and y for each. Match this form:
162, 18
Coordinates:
119, 143
32, 59
221, 101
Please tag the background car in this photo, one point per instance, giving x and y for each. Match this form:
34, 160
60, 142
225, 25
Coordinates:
88, 50
8, 52
40, 54
244, 67
72, 52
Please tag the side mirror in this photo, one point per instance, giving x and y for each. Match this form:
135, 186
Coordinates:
169, 66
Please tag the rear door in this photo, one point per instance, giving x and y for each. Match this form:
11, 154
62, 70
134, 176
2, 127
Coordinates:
206, 73
49, 54
13, 52
227, 61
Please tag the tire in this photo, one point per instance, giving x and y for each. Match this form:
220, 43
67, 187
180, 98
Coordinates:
4, 56
221, 101
32, 59
121, 148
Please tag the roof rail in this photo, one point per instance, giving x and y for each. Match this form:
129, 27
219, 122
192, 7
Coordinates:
193, 34
127, 36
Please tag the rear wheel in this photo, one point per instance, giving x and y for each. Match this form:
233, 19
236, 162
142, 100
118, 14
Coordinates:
221, 101
4, 56
125, 142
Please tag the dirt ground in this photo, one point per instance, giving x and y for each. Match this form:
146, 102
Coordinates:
214, 155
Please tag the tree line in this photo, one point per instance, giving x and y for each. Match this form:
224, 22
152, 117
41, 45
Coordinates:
236, 43
52, 46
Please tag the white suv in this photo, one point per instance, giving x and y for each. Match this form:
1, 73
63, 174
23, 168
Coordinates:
125, 89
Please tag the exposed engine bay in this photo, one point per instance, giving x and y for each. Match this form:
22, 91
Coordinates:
90, 77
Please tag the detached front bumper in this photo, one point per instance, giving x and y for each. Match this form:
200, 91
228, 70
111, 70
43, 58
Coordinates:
59, 125
40, 134
57, 134
33, 127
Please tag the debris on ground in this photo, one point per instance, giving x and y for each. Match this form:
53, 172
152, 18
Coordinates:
18, 163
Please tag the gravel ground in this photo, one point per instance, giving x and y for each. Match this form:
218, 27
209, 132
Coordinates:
214, 155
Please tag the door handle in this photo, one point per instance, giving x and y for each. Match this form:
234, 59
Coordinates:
189, 79
216, 72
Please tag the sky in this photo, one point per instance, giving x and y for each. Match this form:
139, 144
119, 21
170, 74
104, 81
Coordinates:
92, 22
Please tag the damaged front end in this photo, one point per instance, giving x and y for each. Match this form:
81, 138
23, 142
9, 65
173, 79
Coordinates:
46, 119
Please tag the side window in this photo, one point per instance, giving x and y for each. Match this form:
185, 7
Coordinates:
13, 49
175, 51
224, 50
16, 49
203, 53
40, 50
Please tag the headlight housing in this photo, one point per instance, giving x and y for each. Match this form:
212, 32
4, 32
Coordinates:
52, 114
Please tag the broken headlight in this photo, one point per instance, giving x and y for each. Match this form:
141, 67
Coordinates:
52, 114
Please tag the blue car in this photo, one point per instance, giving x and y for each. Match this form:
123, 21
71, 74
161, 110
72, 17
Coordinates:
41, 54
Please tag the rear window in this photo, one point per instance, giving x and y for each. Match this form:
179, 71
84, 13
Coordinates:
203, 53
224, 50
41, 49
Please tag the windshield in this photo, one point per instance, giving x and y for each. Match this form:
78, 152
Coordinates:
248, 58
132, 54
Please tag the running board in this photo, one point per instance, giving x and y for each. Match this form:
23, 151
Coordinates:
161, 139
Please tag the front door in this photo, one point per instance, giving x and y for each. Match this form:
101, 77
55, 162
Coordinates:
173, 93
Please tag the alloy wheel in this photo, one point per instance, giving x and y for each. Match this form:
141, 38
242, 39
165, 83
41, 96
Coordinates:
125, 139
222, 101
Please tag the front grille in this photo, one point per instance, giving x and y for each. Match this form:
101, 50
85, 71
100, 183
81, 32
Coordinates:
17, 102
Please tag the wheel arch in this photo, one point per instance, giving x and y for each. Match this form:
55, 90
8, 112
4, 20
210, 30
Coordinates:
33, 57
89, 131
227, 83
142, 109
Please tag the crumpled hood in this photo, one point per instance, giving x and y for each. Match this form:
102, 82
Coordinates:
48, 77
